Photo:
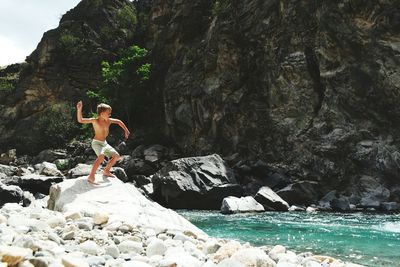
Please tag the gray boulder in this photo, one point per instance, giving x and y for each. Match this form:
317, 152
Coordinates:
239, 205
48, 169
270, 200
50, 155
301, 193
9, 170
196, 182
10, 193
35, 183
8, 157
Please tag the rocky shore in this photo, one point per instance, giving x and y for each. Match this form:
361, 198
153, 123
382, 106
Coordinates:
115, 225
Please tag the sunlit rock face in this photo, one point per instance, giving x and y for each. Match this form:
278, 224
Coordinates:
65, 64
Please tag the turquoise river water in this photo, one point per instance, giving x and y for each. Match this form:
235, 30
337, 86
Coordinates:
364, 238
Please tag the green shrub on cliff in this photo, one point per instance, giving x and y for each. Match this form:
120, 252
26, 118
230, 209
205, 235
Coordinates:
127, 17
69, 43
220, 7
125, 82
6, 86
57, 125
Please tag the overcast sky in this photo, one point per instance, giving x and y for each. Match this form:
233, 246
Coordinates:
23, 22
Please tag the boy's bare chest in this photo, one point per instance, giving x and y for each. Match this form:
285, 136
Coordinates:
101, 125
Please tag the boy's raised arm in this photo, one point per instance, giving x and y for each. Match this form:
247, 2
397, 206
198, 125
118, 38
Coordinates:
79, 114
122, 125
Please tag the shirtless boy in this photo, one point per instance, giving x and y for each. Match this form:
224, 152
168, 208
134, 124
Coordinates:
101, 126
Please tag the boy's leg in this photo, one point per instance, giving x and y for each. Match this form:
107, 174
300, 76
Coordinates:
111, 163
96, 165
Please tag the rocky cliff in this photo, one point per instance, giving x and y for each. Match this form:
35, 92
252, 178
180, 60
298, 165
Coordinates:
310, 87
303, 90
65, 64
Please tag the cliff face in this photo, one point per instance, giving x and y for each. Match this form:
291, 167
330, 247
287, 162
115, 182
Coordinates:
310, 85
65, 64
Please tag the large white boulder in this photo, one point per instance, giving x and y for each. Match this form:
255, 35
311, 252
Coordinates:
243, 204
122, 202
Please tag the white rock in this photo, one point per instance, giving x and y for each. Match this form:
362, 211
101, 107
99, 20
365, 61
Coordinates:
56, 221
226, 250
3, 219
128, 246
183, 259
156, 247
112, 250
115, 198
100, 218
209, 263
243, 204
72, 215
253, 257
69, 261
49, 169
287, 264
210, 247
182, 237
276, 249
135, 264
89, 247
231, 263
13, 255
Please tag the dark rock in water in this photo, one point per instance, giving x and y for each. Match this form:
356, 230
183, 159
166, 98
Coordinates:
239, 205
325, 202
197, 182
301, 193
390, 206
49, 155
270, 200
10, 193
340, 204
372, 193
38, 183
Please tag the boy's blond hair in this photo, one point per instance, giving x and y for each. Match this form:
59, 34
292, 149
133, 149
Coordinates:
103, 107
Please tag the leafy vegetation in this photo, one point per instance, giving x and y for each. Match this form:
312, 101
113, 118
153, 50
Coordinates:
220, 7
127, 17
125, 82
57, 125
6, 86
69, 43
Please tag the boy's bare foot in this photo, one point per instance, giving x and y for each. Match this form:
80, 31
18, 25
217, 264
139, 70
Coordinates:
91, 181
109, 174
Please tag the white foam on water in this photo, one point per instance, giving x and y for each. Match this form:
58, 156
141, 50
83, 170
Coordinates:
388, 227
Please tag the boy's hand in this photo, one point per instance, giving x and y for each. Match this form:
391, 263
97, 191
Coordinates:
127, 133
79, 105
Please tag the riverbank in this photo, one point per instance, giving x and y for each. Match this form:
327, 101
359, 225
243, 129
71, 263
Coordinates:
87, 231
371, 239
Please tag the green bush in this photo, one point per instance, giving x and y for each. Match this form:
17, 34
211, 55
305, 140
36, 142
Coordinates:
127, 17
125, 81
220, 7
57, 125
6, 86
69, 43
